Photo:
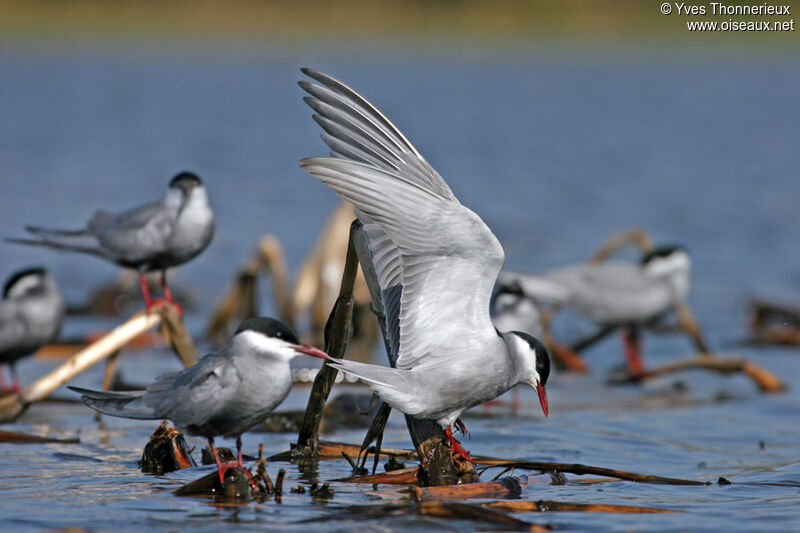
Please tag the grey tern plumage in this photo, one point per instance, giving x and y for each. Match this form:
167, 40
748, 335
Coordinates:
154, 236
30, 317
436, 262
225, 394
615, 293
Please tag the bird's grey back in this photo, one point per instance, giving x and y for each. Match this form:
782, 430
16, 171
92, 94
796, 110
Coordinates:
614, 292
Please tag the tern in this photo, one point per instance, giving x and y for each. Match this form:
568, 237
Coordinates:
512, 310
436, 262
30, 316
154, 236
616, 294
225, 394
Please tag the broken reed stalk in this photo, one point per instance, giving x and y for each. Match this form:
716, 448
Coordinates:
636, 236
176, 335
11, 407
337, 333
110, 369
764, 379
272, 258
691, 327
428, 438
241, 301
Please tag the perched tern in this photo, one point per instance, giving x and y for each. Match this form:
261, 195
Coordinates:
512, 310
224, 394
154, 236
30, 316
614, 293
436, 262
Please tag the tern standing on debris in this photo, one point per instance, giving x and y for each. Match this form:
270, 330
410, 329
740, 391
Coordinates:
225, 393
615, 294
436, 262
30, 316
154, 236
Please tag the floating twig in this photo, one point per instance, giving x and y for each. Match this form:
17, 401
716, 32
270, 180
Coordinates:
434, 509
580, 469
23, 438
507, 487
546, 506
764, 379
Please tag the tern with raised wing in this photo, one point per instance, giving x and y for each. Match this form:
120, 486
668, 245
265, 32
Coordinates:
615, 294
30, 316
436, 262
154, 236
224, 394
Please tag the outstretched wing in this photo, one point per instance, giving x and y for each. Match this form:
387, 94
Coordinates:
443, 256
358, 131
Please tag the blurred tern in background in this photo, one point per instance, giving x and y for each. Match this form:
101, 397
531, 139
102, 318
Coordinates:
30, 317
154, 236
615, 294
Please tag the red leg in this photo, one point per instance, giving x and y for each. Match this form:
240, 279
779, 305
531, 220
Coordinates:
239, 462
16, 386
4, 388
168, 293
630, 340
456, 446
461, 427
148, 303
221, 467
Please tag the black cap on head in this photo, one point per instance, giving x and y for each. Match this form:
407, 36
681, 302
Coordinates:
662, 251
185, 179
542, 355
16, 276
513, 288
269, 327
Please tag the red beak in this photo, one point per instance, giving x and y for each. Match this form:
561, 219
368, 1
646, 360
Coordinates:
542, 398
310, 350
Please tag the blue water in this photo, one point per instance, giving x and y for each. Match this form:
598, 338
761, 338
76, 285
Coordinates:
555, 152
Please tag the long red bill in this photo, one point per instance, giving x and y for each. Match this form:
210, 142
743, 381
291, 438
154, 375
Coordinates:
310, 350
542, 398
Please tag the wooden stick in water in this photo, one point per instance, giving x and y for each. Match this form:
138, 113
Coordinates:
763, 378
544, 506
337, 333
579, 469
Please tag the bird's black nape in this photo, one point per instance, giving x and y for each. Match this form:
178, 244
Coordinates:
185, 179
16, 276
270, 328
662, 251
542, 355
